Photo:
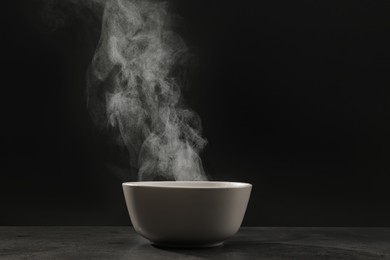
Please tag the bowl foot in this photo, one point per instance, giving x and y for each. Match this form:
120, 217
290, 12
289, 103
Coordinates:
181, 245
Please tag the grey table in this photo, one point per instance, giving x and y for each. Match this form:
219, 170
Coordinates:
249, 243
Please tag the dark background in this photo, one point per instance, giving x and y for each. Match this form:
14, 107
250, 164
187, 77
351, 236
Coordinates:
293, 96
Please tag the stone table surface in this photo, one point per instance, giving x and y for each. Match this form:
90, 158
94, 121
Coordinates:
248, 243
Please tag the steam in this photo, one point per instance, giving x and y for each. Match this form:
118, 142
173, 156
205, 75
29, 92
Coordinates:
134, 89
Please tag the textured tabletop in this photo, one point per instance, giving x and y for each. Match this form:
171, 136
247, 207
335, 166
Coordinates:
249, 243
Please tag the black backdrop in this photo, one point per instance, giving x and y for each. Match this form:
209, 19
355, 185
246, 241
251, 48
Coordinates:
293, 97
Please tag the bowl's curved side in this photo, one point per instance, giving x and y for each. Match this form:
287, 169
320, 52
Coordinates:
186, 216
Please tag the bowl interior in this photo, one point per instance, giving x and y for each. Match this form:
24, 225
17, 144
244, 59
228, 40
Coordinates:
188, 184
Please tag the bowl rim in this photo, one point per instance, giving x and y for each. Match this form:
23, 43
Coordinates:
187, 184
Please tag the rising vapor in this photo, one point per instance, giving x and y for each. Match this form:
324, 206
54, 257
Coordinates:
133, 88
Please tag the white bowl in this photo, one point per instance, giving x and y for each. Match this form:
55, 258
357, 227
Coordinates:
186, 213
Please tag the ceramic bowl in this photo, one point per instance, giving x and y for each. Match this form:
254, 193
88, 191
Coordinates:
186, 213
